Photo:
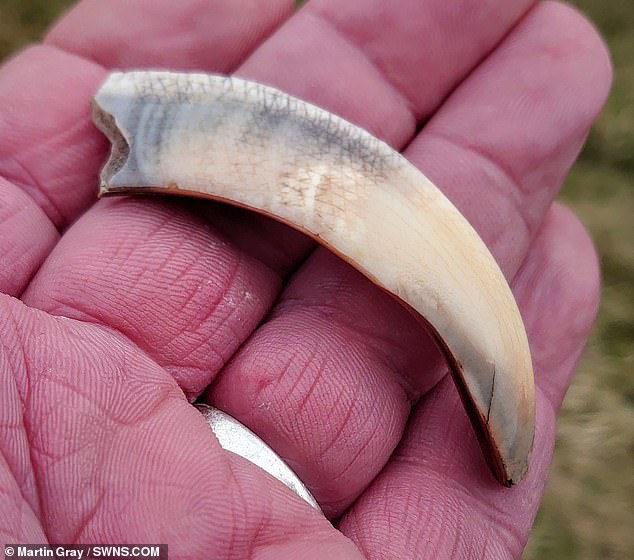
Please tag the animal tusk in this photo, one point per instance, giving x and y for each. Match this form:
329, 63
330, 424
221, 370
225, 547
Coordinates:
244, 143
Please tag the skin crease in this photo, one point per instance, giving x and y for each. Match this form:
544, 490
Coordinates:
140, 297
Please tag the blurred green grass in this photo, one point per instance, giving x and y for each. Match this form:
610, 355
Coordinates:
588, 510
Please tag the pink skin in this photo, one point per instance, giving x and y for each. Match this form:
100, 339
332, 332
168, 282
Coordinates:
143, 304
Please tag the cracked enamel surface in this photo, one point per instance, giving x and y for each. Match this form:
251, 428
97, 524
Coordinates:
254, 146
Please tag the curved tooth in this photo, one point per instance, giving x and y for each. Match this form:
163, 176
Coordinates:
254, 146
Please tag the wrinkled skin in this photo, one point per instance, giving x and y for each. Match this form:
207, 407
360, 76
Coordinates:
129, 309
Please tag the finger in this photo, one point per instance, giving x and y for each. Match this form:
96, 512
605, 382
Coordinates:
433, 25
404, 58
571, 254
530, 107
194, 34
435, 489
118, 455
48, 145
327, 381
26, 237
203, 321
183, 288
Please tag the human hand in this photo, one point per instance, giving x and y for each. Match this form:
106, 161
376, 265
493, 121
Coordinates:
141, 297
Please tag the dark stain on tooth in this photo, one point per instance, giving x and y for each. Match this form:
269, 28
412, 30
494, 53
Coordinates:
265, 115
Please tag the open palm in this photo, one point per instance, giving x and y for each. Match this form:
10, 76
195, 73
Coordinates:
130, 309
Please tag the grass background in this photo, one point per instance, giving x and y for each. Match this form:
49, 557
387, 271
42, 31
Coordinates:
588, 510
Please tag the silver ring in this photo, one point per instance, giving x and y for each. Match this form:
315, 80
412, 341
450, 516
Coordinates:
237, 438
